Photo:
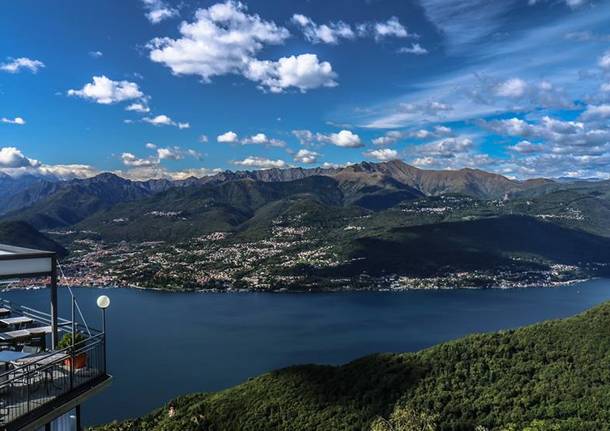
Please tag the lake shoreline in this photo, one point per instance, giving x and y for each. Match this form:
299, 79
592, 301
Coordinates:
312, 291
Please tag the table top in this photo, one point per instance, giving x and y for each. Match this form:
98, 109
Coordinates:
10, 355
41, 359
15, 320
4, 311
13, 335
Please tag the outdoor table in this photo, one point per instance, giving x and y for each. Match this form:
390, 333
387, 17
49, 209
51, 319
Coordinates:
16, 321
21, 334
4, 311
41, 359
10, 355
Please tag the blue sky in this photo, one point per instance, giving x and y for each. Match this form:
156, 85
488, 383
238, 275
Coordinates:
161, 88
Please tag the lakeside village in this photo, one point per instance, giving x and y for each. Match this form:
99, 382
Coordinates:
210, 263
219, 262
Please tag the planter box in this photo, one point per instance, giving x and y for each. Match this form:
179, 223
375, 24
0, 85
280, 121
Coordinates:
80, 361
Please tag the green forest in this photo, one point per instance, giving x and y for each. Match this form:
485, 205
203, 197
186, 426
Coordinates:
549, 376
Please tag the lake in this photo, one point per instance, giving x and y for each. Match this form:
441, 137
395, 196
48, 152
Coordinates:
162, 345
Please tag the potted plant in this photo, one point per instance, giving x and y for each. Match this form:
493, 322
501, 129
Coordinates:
80, 360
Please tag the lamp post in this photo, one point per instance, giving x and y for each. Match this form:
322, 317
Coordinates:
103, 302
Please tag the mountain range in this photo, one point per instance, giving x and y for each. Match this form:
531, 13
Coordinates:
309, 226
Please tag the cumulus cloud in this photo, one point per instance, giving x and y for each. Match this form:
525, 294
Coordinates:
415, 49
600, 112
229, 137
304, 72
306, 156
345, 139
390, 137
260, 163
130, 159
13, 162
96, 54
526, 147
382, 154
163, 153
158, 10
225, 39
105, 91
262, 139
16, 65
140, 107
11, 157
220, 40
17, 121
164, 120
390, 28
203, 139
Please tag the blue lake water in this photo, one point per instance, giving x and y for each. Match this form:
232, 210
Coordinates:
162, 345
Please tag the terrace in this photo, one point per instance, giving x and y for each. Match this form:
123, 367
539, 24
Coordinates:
42, 376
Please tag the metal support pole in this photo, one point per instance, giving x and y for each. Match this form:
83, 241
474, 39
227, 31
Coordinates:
104, 340
78, 422
54, 333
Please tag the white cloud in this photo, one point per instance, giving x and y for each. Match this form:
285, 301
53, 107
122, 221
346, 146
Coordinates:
17, 121
596, 112
262, 139
514, 87
305, 137
130, 159
389, 28
306, 156
13, 162
150, 146
169, 154
526, 147
95, 54
106, 91
221, 40
158, 10
604, 61
225, 39
228, 138
382, 154
11, 157
389, 138
260, 163
330, 33
159, 172
415, 49
203, 139
138, 107
345, 138
334, 32
304, 72
15, 65
164, 120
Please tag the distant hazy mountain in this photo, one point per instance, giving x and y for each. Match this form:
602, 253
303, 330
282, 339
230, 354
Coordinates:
48, 204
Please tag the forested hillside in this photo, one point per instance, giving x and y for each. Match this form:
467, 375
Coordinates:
550, 376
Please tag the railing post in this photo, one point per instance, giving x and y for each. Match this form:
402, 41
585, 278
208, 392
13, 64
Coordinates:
54, 339
104, 353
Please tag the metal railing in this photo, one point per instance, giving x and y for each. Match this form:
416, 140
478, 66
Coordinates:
42, 378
